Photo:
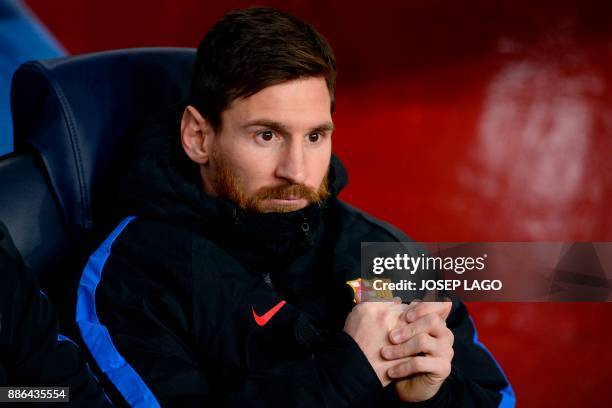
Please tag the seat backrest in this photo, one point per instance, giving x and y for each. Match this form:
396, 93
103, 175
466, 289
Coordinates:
73, 120
29, 210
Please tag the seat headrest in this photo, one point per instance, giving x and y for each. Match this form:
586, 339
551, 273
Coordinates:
77, 112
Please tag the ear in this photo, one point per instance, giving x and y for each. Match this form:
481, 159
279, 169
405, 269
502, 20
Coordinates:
196, 133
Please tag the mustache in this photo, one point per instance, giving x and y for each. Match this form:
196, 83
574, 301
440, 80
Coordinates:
227, 185
292, 191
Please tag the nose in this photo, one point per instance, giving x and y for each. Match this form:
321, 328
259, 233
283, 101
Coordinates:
292, 166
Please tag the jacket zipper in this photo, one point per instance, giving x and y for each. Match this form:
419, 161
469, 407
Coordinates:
307, 233
237, 216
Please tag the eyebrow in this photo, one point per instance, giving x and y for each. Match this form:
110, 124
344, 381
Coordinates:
279, 127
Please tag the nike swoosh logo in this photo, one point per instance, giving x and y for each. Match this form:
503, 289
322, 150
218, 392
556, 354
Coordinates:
265, 318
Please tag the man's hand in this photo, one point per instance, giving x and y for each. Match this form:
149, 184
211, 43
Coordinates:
426, 346
369, 324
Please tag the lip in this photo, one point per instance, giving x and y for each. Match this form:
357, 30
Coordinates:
287, 201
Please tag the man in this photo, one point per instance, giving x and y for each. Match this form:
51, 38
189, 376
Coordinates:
32, 352
225, 283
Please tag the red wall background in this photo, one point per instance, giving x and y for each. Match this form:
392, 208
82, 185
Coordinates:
458, 121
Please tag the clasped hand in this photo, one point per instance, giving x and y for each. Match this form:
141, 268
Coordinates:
408, 344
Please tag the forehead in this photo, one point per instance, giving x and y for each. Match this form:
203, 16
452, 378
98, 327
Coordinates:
298, 103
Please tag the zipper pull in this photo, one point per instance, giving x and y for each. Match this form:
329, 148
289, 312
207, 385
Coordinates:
237, 216
306, 231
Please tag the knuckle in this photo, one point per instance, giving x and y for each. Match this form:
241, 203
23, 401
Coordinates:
423, 308
369, 308
447, 369
418, 307
436, 321
430, 319
422, 341
441, 320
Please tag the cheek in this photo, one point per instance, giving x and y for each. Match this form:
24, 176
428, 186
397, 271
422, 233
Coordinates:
319, 164
253, 169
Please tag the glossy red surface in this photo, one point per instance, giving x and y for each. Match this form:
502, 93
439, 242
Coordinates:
458, 121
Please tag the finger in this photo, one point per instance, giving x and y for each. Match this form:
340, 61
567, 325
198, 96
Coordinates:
439, 367
432, 324
382, 305
420, 344
424, 308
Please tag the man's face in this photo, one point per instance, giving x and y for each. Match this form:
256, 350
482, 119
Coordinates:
273, 150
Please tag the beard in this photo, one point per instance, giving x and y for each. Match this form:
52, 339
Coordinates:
227, 185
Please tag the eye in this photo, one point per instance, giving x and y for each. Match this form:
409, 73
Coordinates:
266, 135
314, 137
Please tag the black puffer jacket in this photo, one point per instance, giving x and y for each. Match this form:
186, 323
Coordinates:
32, 352
174, 305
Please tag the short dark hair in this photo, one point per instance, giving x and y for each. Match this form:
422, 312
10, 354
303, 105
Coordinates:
251, 49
